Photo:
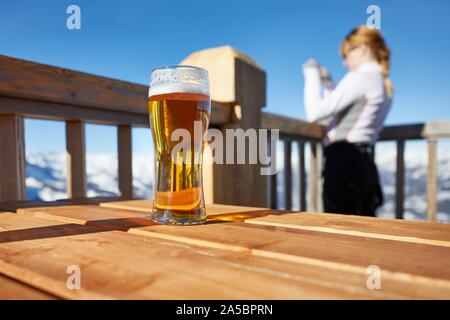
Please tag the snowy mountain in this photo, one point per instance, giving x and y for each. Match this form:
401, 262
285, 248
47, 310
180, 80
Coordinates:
46, 176
46, 179
416, 161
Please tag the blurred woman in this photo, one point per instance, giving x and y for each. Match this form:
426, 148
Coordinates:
354, 111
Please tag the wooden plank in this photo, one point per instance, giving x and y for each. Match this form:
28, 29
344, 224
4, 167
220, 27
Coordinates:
125, 161
437, 129
292, 126
82, 214
388, 229
220, 112
412, 264
76, 159
433, 129
432, 181
15, 290
400, 180
55, 87
30, 80
118, 265
145, 205
14, 205
12, 158
402, 132
58, 111
302, 175
287, 175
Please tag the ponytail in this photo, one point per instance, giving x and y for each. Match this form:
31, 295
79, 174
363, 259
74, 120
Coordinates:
388, 86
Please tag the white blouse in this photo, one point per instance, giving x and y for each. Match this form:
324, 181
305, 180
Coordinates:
355, 110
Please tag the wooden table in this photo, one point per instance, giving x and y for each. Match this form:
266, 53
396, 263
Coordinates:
241, 253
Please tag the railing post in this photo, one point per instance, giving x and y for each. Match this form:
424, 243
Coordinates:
400, 180
432, 180
287, 175
273, 182
302, 175
236, 79
76, 159
315, 177
12, 158
124, 144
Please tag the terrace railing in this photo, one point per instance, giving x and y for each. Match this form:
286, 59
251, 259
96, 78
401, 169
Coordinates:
238, 91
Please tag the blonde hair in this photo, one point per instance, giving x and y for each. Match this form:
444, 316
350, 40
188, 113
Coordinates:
375, 41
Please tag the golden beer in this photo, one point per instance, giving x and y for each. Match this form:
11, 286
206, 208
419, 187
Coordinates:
178, 102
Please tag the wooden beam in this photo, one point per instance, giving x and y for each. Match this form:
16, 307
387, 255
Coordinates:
30, 80
124, 144
220, 113
302, 175
12, 158
400, 180
437, 129
292, 126
432, 180
76, 159
433, 129
402, 132
63, 112
287, 175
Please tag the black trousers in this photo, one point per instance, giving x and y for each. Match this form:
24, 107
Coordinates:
351, 182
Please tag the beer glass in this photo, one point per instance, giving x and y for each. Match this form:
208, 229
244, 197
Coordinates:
179, 108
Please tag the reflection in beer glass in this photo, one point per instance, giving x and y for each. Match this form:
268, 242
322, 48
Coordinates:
179, 100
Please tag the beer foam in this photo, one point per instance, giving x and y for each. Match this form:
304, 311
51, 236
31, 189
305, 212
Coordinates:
178, 79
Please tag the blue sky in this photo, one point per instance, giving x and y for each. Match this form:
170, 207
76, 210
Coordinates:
126, 39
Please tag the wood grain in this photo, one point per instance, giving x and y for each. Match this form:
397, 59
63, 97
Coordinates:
76, 159
292, 126
119, 265
125, 154
406, 262
145, 205
30, 80
366, 227
11, 289
12, 158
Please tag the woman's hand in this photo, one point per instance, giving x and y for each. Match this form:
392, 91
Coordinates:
311, 63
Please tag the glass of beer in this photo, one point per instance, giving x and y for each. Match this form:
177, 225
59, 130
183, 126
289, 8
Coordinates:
179, 108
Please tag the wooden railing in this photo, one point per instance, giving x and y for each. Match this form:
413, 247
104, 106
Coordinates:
300, 132
313, 134
32, 90
431, 132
